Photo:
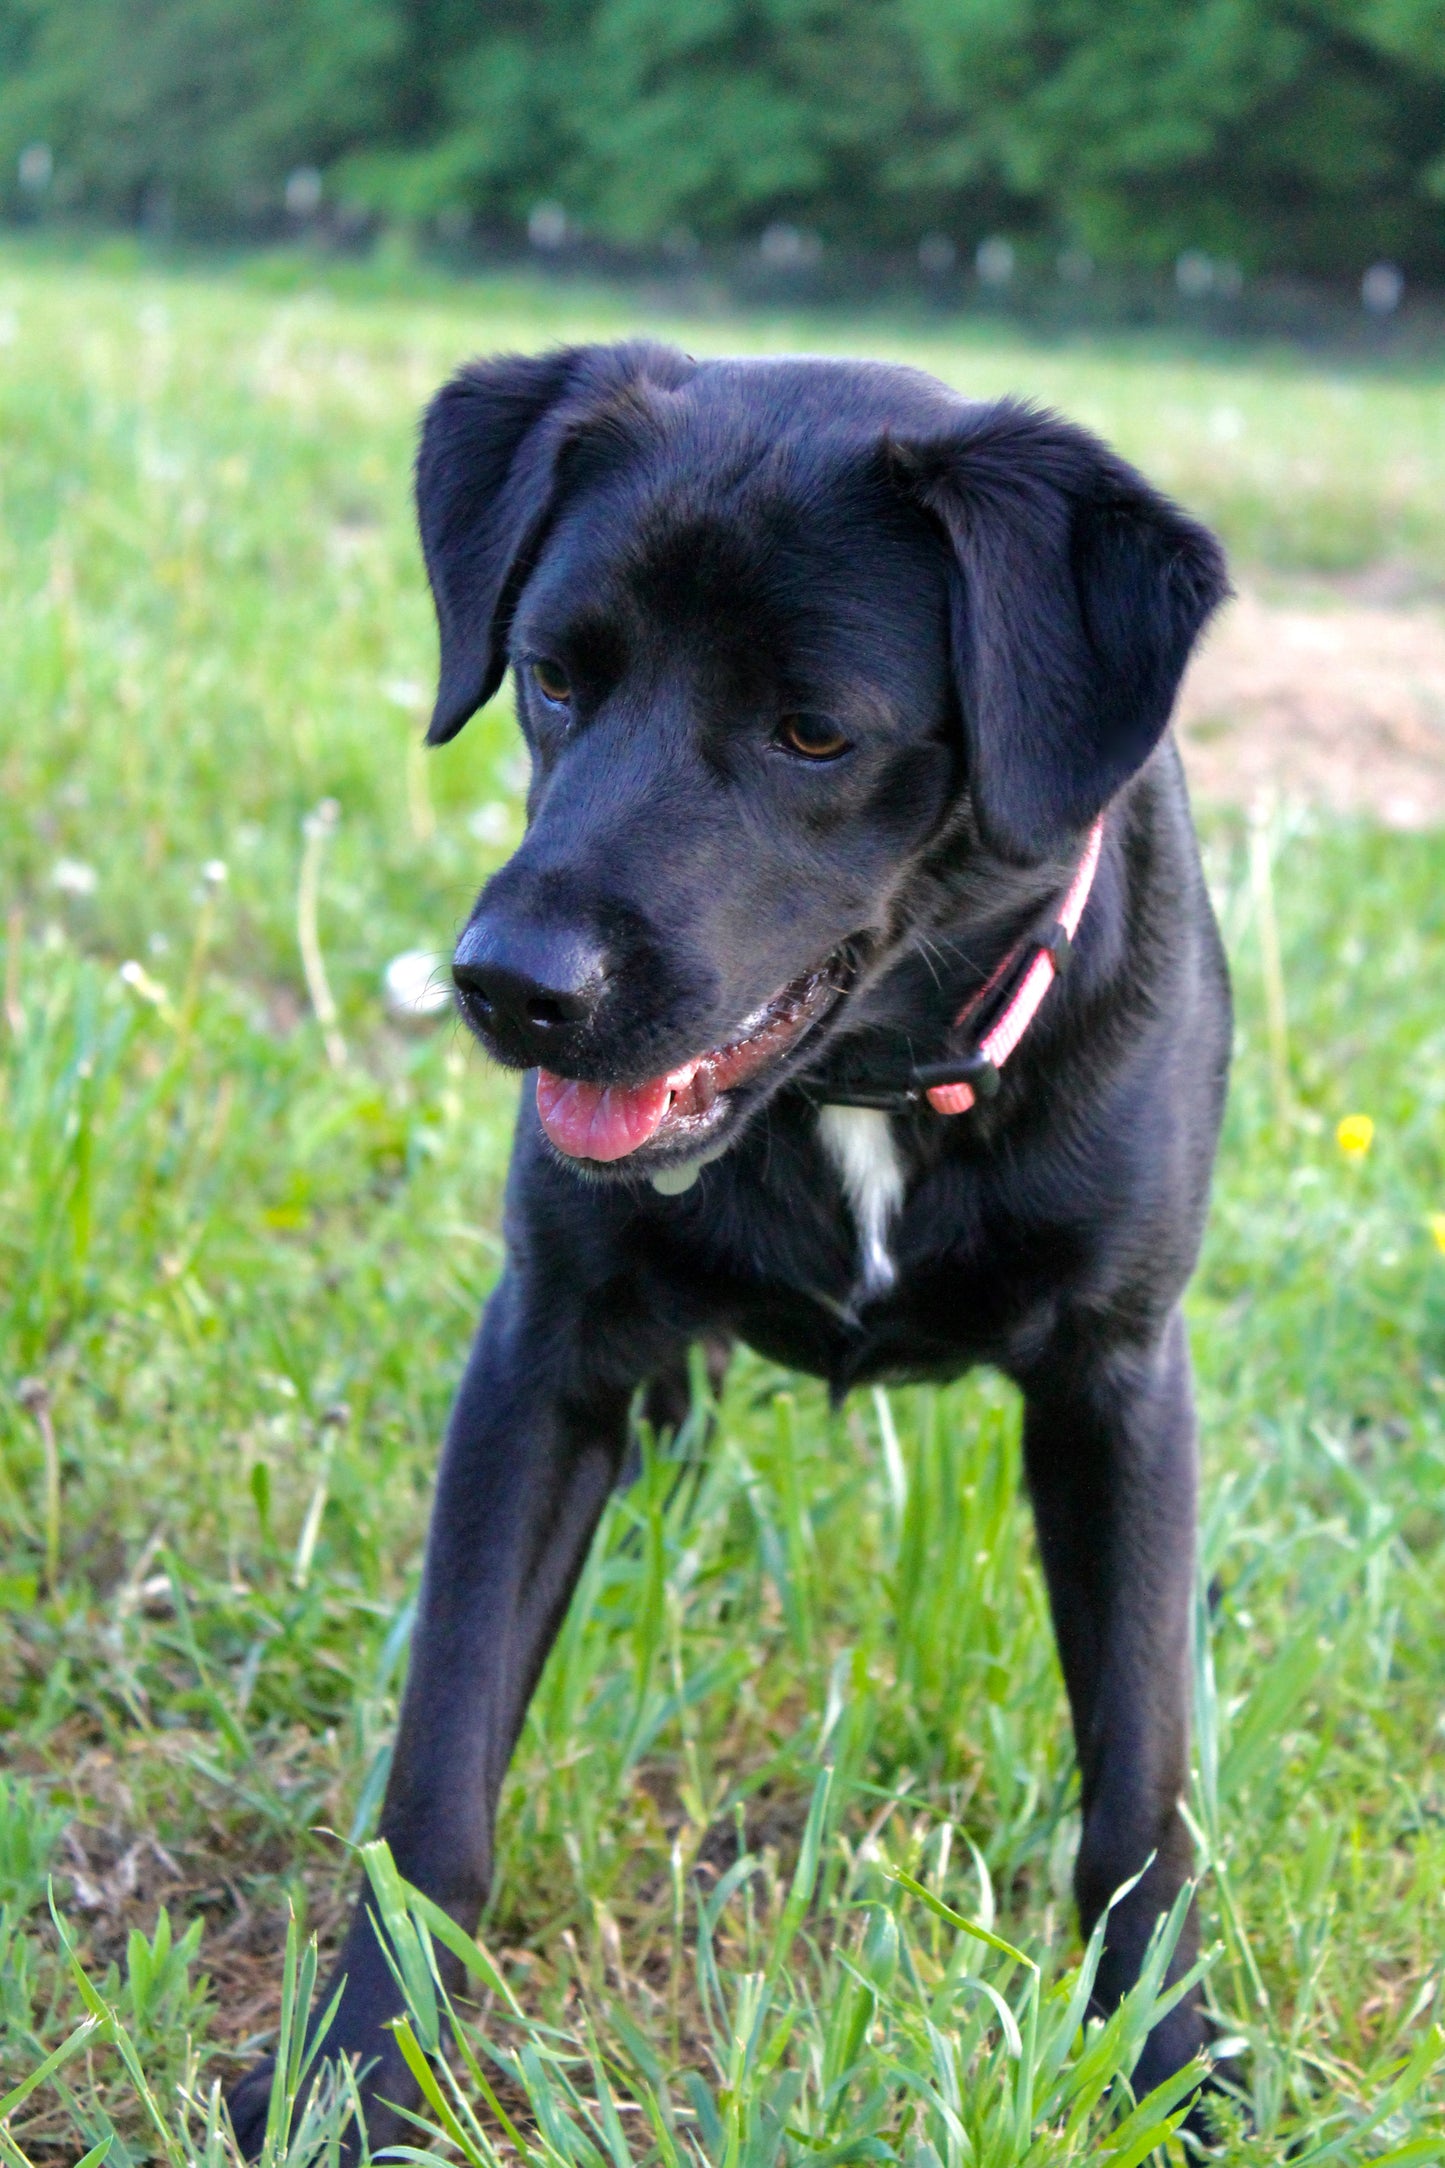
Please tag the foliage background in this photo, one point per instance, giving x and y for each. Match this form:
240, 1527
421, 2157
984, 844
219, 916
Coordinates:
1298, 136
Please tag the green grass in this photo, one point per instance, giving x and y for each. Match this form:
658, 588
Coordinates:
236, 1285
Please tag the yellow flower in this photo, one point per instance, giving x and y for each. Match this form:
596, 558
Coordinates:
1436, 1225
1355, 1135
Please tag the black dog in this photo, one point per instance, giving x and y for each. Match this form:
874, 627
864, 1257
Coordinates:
828, 678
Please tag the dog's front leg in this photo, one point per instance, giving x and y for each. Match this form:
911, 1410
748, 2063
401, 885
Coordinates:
533, 1450
1109, 1449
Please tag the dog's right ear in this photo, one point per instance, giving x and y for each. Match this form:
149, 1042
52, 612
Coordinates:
486, 481
483, 485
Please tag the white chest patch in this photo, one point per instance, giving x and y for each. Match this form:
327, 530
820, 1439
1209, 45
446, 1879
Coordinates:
860, 1143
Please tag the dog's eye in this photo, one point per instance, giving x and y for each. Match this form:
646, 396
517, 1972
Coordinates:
552, 682
816, 737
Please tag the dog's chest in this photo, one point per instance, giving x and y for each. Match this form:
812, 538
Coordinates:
840, 1243
861, 1144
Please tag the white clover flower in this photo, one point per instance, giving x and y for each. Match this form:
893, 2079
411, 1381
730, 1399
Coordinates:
138, 979
416, 984
404, 693
73, 877
491, 823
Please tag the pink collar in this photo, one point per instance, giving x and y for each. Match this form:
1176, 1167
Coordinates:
1015, 991
1047, 961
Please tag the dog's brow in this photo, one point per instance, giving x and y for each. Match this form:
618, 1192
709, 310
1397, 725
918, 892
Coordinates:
849, 700
593, 640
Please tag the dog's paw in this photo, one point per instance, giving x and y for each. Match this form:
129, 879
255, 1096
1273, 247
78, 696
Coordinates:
1175, 2041
249, 2102
1219, 2112
386, 2086
1214, 2111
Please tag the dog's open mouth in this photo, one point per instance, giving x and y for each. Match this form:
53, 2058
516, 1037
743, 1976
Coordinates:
605, 1122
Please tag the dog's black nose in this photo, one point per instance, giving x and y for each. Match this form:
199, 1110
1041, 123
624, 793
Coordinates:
525, 987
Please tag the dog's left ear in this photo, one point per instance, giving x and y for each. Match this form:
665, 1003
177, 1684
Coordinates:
1078, 592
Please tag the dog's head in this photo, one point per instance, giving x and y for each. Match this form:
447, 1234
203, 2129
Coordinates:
773, 625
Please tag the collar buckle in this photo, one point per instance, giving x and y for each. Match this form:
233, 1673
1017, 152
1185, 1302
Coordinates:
975, 1069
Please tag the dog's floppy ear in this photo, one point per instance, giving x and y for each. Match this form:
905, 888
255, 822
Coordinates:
486, 478
1078, 592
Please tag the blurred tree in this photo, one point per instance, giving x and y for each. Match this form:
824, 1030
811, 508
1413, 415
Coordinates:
192, 111
1293, 134
1285, 134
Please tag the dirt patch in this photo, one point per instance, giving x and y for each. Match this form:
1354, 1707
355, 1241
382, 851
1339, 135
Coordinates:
1337, 700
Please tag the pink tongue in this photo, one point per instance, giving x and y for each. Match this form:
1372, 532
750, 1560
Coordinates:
600, 1121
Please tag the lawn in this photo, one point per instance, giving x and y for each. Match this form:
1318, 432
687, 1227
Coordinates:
240, 1259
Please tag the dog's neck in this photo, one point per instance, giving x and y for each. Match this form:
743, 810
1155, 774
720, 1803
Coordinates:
993, 1020
853, 1123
